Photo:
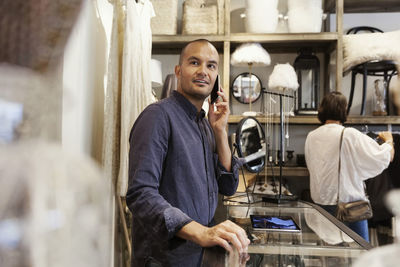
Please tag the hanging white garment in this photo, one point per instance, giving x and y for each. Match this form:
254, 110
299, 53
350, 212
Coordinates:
112, 102
136, 91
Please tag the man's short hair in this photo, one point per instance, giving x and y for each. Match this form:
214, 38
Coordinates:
194, 41
333, 107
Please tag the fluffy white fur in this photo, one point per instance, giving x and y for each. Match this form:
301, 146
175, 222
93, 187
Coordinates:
250, 53
263, 5
283, 77
305, 19
293, 4
359, 48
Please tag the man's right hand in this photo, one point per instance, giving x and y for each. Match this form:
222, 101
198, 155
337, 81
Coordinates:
223, 234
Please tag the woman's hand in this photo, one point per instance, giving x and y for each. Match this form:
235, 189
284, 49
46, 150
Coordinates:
388, 138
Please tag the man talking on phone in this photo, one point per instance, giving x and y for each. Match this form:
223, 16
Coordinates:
179, 161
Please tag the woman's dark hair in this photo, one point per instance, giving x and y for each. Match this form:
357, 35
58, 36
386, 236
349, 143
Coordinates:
333, 107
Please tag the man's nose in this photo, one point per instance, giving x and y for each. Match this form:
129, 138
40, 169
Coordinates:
202, 69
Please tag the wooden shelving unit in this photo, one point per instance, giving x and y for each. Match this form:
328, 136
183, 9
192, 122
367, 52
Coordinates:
324, 42
313, 120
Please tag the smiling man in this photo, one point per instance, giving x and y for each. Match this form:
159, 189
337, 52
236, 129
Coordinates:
178, 163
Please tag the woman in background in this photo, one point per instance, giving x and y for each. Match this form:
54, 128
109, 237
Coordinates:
361, 158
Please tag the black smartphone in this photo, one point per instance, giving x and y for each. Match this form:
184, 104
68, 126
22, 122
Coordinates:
274, 223
214, 92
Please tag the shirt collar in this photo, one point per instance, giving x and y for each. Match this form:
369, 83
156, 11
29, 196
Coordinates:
187, 106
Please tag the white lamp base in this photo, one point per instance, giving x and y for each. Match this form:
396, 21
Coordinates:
249, 113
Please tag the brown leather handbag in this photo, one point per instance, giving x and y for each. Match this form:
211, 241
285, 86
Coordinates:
351, 211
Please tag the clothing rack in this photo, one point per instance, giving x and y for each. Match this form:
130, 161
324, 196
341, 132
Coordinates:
280, 198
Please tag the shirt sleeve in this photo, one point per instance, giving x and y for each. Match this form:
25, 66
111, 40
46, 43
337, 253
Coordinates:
228, 181
362, 152
148, 149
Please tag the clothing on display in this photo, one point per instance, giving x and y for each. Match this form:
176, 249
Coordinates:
377, 189
136, 90
112, 101
176, 181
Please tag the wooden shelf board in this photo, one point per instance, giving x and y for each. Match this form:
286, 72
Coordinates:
292, 120
288, 43
283, 37
182, 39
276, 43
293, 171
313, 120
172, 44
288, 171
373, 120
364, 6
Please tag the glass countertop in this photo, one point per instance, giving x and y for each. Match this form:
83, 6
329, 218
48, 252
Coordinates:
322, 240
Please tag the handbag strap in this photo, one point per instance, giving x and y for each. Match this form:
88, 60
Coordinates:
340, 150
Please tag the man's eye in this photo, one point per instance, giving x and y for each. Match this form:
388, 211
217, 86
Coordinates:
194, 63
212, 66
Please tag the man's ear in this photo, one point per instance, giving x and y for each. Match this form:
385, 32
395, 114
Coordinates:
177, 71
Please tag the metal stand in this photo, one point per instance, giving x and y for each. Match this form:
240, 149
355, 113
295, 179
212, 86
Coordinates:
280, 198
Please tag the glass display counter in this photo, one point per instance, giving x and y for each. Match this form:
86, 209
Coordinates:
322, 240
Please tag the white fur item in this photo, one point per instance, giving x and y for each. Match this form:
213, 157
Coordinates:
250, 53
305, 19
293, 4
359, 48
283, 77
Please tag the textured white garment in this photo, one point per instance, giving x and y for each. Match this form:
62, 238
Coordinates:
112, 102
361, 158
136, 92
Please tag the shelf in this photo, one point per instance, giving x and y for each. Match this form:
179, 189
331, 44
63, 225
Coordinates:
373, 120
283, 37
313, 120
292, 120
172, 44
288, 171
285, 42
288, 42
364, 6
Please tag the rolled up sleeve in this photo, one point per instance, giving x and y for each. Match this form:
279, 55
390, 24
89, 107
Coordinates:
228, 181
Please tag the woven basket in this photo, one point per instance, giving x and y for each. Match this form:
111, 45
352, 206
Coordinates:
33, 33
221, 10
199, 19
165, 21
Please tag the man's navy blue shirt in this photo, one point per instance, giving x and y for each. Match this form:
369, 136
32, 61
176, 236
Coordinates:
174, 178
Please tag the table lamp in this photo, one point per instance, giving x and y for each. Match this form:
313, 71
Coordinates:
250, 55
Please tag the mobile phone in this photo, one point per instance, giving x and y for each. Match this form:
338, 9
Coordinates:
214, 92
274, 223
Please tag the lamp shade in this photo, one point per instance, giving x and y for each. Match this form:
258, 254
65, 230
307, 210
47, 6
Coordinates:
250, 54
156, 73
283, 77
